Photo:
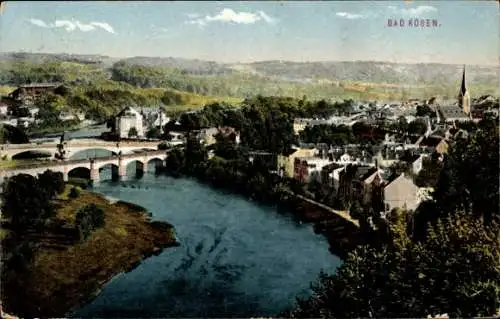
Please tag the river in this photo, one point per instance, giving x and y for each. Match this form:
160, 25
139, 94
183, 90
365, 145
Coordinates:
236, 258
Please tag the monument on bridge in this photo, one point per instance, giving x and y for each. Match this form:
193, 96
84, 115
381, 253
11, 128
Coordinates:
61, 152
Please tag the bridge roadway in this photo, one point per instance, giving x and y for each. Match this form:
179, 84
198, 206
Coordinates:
74, 146
118, 164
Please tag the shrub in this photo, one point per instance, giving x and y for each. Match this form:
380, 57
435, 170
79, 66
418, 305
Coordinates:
74, 192
88, 219
162, 146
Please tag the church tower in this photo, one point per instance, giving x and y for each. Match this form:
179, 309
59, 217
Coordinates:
463, 96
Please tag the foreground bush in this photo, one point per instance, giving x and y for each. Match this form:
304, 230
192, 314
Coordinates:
88, 219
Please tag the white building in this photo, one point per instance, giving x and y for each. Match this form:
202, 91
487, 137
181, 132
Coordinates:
4, 109
127, 120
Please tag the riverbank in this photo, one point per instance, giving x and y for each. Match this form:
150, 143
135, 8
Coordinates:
65, 273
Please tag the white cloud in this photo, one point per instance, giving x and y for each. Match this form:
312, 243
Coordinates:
413, 12
38, 23
350, 16
229, 15
104, 25
72, 25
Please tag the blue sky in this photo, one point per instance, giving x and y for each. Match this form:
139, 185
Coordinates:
253, 31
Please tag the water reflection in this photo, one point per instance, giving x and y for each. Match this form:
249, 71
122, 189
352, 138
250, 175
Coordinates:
236, 259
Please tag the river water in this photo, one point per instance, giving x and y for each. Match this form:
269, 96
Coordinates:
236, 258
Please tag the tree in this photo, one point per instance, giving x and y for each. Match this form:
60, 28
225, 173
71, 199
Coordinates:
175, 162
14, 135
442, 267
25, 202
154, 132
132, 132
469, 179
417, 126
21, 112
425, 110
195, 154
51, 182
74, 192
89, 218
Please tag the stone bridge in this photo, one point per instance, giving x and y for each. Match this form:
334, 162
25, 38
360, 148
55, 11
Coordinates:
118, 165
74, 146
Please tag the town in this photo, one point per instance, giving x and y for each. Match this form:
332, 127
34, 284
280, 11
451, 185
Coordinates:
397, 145
271, 159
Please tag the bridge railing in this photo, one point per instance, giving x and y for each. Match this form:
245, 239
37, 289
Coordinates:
76, 144
32, 165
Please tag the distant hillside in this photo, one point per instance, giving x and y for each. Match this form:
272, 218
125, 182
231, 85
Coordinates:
316, 80
376, 72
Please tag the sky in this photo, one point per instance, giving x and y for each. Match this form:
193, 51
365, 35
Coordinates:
467, 32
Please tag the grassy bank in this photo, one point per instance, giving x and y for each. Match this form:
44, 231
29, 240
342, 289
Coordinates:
66, 272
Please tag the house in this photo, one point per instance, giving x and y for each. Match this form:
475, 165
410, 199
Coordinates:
373, 179
176, 138
65, 116
334, 177
451, 114
299, 125
230, 132
401, 192
434, 144
415, 162
4, 109
207, 135
350, 181
128, 123
285, 161
28, 93
308, 169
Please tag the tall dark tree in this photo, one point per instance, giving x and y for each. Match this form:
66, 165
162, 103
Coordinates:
25, 202
51, 182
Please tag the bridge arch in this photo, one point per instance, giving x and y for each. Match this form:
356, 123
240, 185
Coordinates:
137, 169
155, 164
109, 171
80, 172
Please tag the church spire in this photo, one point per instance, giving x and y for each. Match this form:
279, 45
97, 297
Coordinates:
463, 96
463, 89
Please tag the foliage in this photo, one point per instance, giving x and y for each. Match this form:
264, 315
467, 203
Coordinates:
425, 110
439, 266
469, 180
74, 192
163, 146
154, 132
25, 201
175, 162
429, 175
88, 219
12, 134
51, 182
417, 126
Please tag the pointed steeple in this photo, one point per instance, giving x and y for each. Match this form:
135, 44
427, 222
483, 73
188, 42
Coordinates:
463, 96
463, 89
